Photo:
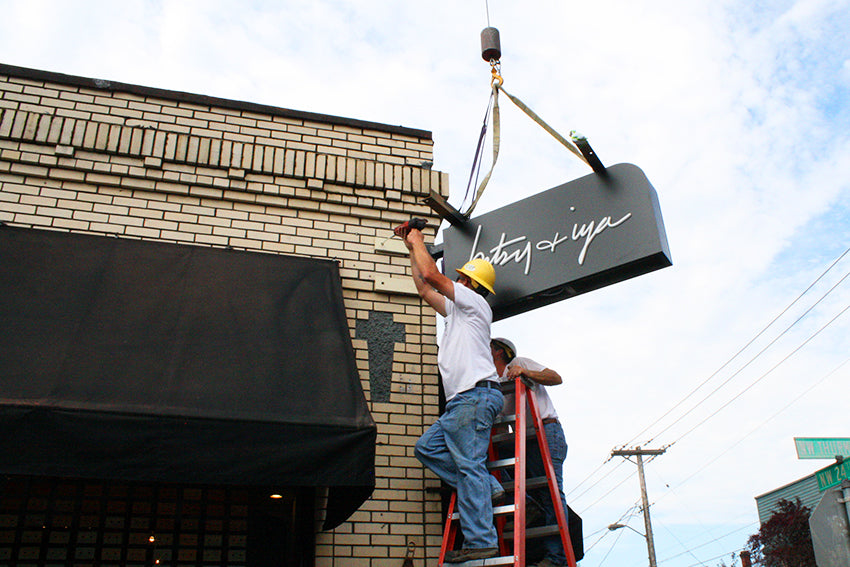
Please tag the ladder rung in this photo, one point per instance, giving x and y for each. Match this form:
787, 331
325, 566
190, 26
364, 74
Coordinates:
530, 483
504, 510
501, 463
504, 437
492, 562
497, 511
532, 533
503, 419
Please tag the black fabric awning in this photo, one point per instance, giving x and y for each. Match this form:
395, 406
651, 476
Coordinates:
145, 361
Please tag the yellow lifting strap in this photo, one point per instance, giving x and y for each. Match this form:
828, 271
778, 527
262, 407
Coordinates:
570, 146
497, 84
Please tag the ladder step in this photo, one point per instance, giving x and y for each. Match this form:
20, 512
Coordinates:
497, 511
533, 533
501, 464
530, 483
502, 437
505, 437
492, 562
504, 419
504, 510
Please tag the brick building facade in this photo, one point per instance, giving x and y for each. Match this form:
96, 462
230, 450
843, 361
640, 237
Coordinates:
90, 156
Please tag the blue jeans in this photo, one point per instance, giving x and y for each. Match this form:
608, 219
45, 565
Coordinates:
534, 468
455, 449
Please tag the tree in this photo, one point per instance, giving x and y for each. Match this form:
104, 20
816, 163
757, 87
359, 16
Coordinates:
784, 540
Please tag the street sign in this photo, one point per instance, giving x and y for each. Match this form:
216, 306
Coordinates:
822, 447
833, 475
580, 236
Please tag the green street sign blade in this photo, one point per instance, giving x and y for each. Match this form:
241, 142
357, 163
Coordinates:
833, 475
822, 447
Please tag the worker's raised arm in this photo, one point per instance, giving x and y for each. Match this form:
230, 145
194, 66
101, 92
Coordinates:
431, 284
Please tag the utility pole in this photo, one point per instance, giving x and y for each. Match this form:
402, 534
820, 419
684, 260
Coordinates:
639, 453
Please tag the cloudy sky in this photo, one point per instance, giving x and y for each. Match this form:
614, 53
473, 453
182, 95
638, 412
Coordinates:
737, 112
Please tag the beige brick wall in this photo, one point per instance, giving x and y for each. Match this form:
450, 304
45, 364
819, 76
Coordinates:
93, 157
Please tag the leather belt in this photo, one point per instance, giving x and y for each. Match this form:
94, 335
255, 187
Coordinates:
486, 384
549, 420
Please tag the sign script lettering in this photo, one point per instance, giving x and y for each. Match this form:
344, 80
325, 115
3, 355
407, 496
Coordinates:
503, 252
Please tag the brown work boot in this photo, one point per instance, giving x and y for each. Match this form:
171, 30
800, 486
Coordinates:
461, 555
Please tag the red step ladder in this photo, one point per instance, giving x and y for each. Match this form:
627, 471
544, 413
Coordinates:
512, 543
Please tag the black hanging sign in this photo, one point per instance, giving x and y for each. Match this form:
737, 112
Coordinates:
583, 235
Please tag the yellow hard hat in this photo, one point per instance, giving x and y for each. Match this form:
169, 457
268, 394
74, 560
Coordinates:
480, 271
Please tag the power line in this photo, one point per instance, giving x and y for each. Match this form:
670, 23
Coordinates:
762, 351
687, 551
728, 553
789, 404
738, 353
690, 550
591, 475
610, 549
730, 378
628, 515
760, 378
748, 526
615, 487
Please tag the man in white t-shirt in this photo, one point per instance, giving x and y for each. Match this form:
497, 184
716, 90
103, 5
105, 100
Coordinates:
510, 366
455, 446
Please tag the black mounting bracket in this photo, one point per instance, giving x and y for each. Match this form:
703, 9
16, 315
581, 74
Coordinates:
588, 153
442, 207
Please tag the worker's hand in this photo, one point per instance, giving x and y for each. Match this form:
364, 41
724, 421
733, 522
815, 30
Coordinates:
515, 371
413, 236
402, 231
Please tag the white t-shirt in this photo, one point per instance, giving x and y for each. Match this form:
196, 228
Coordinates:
544, 402
464, 357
